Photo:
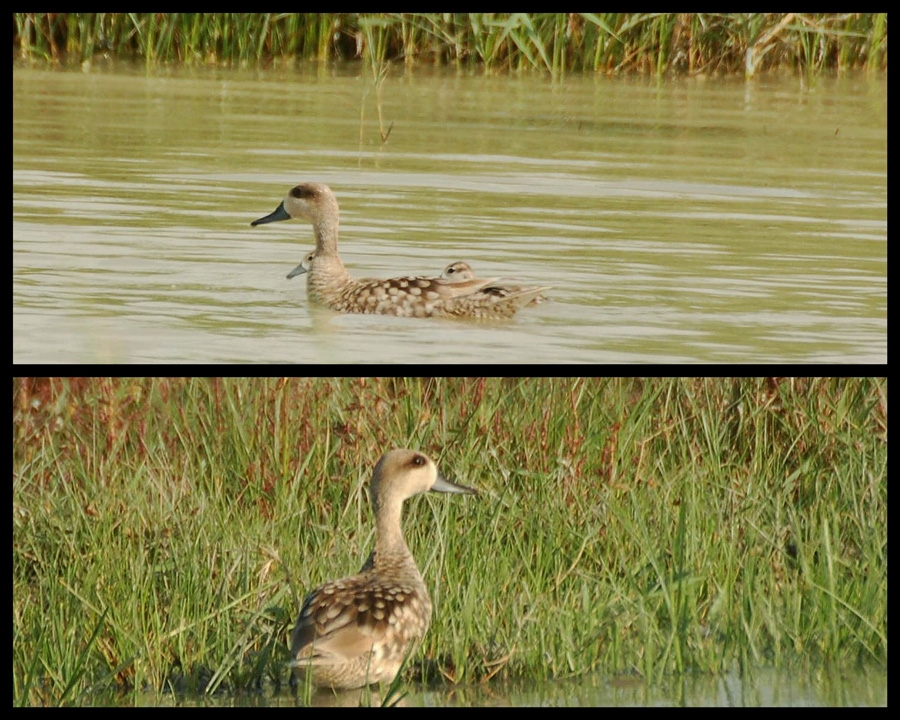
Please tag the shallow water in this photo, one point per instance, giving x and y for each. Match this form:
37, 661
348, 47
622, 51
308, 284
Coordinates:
686, 221
761, 687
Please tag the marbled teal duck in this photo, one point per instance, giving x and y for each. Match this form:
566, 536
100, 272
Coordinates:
461, 271
304, 266
328, 282
358, 630
458, 271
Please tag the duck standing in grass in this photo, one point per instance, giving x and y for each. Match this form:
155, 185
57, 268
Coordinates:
331, 285
358, 630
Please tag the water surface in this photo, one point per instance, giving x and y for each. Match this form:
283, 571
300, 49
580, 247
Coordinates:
759, 687
683, 221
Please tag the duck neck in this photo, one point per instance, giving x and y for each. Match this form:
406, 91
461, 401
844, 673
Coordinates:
325, 229
390, 546
388, 533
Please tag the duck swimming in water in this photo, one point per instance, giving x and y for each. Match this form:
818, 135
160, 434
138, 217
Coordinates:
329, 283
461, 271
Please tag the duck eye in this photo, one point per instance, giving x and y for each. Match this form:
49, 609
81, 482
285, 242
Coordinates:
418, 460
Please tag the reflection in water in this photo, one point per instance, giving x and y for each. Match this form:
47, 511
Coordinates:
755, 688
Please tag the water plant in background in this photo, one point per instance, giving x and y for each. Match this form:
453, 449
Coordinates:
654, 44
373, 30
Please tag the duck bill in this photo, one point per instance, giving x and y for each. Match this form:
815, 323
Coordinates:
299, 270
279, 214
442, 484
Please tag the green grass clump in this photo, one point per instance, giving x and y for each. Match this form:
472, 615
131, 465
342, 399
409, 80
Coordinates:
165, 530
556, 42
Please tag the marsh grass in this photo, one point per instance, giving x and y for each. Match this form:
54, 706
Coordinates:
655, 44
166, 530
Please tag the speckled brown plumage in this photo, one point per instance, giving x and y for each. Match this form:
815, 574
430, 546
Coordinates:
329, 283
461, 271
358, 630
